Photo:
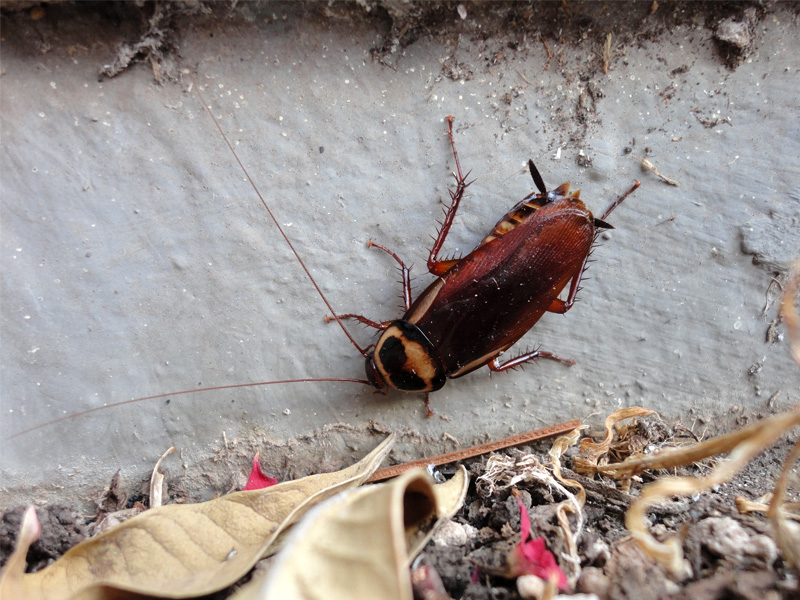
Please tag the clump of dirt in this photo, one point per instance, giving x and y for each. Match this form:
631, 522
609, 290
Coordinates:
729, 554
62, 528
735, 37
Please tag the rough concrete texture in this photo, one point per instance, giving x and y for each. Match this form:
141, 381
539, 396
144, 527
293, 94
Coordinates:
136, 260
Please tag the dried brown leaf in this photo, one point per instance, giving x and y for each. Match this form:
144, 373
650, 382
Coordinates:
358, 545
182, 551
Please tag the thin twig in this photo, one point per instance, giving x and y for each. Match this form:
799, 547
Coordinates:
442, 459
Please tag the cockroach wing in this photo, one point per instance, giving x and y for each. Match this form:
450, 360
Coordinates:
495, 294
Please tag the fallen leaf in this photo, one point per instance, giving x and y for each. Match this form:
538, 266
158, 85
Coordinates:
359, 544
182, 551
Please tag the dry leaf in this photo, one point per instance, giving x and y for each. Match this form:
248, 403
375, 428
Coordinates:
359, 545
157, 481
182, 551
449, 498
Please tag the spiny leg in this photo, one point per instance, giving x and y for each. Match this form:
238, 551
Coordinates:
428, 405
406, 293
406, 272
562, 306
496, 366
435, 266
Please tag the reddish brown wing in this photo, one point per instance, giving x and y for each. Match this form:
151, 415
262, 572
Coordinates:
494, 295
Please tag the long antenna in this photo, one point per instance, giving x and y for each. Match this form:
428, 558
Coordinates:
274, 220
238, 385
194, 391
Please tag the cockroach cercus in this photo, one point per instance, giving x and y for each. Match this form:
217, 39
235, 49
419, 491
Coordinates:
478, 306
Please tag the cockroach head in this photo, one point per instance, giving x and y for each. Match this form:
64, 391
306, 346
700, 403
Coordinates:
373, 374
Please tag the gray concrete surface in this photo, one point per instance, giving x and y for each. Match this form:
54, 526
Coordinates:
137, 261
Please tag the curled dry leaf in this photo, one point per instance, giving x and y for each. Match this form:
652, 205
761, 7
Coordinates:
359, 545
743, 446
592, 453
157, 481
183, 551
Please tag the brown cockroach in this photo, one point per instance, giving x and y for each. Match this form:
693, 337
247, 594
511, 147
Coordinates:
478, 306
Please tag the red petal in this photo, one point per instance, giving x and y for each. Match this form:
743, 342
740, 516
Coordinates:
531, 557
258, 480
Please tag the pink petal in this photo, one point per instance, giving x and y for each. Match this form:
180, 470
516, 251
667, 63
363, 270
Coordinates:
531, 557
258, 480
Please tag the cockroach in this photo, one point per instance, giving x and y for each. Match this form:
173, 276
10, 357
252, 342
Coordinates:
479, 305
482, 304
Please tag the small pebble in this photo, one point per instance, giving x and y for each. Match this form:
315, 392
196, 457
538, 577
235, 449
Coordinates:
450, 534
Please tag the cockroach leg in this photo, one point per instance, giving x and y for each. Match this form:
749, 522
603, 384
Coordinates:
406, 272
428, 405
435, 266
496, 366
562, 306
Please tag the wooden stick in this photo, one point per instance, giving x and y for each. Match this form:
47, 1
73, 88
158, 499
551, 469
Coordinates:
443, 459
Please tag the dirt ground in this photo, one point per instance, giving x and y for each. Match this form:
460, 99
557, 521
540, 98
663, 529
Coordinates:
695, 365
730, 555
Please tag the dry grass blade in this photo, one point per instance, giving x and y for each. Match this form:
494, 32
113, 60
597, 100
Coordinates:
12, 580
183, 551
647, 164
745, 505
742, 445
556, 452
